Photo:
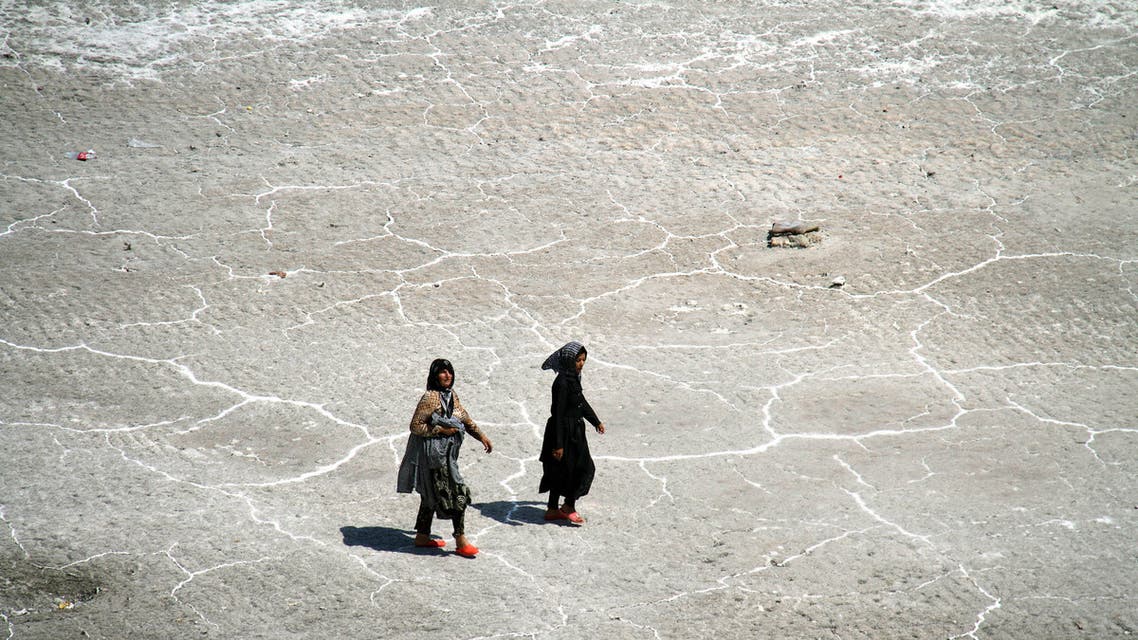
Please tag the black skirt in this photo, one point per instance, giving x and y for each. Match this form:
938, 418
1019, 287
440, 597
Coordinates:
572, 475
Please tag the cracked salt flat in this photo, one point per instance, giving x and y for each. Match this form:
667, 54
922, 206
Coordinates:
942, 448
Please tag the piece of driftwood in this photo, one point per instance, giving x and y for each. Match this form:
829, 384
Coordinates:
792, 228
795, 235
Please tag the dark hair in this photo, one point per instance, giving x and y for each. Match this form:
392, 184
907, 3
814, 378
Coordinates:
440, 364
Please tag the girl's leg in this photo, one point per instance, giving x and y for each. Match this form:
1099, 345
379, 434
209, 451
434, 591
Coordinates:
423, 523
570, 510
461, 544
460, 524
552, 512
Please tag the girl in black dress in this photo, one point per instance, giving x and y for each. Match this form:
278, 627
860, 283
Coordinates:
566, 463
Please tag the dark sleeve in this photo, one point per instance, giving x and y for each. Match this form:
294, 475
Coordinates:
587, 411
561, 415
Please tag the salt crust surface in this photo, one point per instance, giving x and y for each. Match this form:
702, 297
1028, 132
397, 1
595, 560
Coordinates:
942, 447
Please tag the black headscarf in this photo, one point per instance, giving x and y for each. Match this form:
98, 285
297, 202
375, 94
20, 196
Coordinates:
440, 364
564, 359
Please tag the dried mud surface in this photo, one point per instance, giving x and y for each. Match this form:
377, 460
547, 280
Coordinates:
212, 335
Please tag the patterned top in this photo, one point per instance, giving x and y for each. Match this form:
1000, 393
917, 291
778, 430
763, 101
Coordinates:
431, 402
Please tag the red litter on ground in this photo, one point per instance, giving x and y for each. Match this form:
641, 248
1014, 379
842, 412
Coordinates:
82, 155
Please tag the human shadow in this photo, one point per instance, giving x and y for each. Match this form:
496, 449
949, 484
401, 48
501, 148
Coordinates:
385, 539
513, 513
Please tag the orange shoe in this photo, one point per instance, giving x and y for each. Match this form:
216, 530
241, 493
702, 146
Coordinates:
575, 518
555, 514
469, 551
432, 544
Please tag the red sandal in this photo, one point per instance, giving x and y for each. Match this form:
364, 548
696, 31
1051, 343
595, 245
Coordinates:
469, 551
575, 518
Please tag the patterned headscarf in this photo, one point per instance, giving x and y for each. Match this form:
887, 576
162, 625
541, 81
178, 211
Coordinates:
562, 360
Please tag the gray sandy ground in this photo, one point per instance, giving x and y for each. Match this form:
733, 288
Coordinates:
944, 447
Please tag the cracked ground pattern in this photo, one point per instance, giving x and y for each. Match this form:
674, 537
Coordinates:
212, 335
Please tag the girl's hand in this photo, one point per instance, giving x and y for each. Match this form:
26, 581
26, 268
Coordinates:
447, 431
487, 445
601, 428
557, 453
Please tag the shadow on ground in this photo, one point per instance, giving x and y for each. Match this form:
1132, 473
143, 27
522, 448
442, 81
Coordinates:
403, 540
384, 539
512, 512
